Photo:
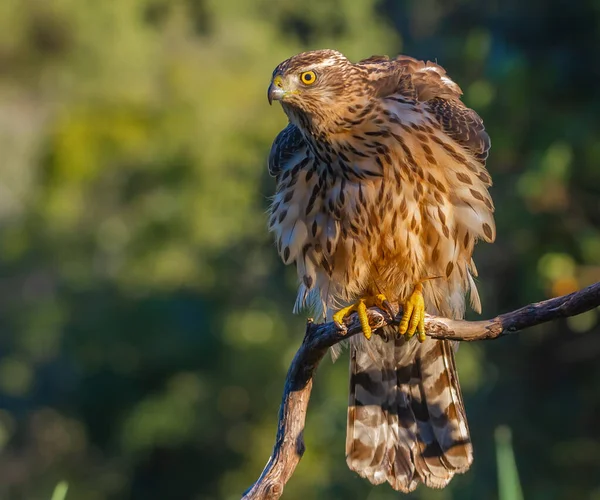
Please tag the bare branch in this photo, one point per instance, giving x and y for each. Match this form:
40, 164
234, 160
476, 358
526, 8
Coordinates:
289, 444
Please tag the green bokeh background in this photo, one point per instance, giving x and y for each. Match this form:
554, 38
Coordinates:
145, 318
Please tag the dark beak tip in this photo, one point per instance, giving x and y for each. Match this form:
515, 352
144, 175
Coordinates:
275, 93
270, 94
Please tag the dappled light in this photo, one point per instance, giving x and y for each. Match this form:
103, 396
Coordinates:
146, 319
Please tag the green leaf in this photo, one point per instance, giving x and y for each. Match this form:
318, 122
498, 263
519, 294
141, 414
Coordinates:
60, 491
509, 486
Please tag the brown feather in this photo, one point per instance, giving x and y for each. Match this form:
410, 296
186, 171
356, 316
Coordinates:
381, 183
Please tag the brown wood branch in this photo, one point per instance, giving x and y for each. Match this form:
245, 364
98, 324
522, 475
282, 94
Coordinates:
289, 444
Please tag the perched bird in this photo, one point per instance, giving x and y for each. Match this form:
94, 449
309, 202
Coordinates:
382, 193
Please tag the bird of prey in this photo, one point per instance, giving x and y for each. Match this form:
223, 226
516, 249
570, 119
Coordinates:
382, 193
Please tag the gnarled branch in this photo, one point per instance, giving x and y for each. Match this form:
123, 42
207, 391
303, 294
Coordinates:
289, 444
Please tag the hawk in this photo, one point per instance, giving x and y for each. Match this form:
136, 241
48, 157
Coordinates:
382, 193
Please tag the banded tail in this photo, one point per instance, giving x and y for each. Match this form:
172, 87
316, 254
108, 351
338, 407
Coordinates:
406, 417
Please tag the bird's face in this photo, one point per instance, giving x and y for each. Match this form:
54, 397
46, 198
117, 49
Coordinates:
310, 85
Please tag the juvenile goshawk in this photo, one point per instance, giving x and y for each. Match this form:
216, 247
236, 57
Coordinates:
382, 193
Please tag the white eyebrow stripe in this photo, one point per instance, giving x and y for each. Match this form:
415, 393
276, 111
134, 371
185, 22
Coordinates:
326, 63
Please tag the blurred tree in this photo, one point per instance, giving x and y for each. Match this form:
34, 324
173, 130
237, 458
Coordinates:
146, 320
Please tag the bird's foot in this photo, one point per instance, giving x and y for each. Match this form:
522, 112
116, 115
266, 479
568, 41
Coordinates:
413, 315
360, 307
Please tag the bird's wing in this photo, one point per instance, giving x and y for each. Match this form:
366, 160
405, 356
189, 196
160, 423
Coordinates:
286, 145
305, 233
427, 82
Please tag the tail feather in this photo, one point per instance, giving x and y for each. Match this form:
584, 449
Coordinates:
368, 416
406, 419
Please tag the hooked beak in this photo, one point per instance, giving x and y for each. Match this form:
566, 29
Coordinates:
276, 91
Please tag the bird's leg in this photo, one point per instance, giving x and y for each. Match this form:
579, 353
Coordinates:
413, 315
360, 307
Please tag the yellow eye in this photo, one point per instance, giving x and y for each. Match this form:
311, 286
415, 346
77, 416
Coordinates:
308, 77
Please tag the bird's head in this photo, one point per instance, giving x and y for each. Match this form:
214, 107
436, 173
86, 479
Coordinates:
312, 87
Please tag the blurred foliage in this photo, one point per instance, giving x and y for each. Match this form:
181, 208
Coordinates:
60, 491
509, 485
146, 320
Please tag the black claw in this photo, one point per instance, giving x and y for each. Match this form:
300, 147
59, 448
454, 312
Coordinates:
340, 326
388, 307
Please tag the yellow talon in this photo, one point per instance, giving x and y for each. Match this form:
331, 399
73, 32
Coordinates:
413, 315
360, 307
382, 302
